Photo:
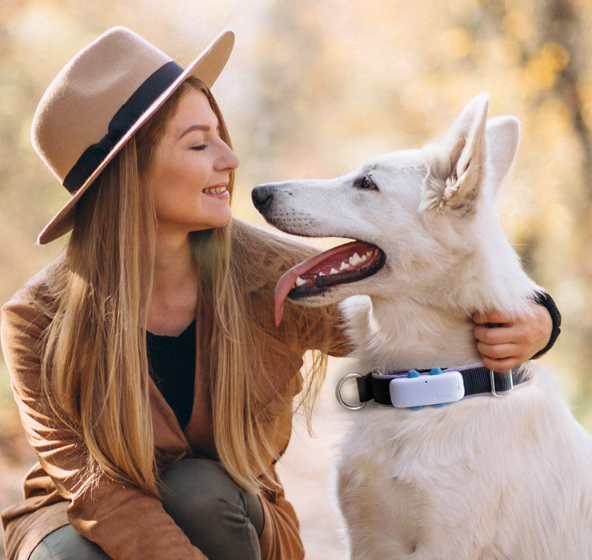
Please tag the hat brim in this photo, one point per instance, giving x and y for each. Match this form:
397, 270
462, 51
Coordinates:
207, 67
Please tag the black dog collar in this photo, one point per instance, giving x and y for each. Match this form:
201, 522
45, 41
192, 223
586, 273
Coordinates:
467, 381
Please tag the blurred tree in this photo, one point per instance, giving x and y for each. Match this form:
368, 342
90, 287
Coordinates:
549, 37
563, 31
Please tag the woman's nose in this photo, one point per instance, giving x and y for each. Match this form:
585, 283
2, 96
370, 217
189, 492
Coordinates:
227, 158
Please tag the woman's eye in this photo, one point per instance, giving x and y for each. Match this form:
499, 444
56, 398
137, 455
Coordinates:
367, 183
200, 147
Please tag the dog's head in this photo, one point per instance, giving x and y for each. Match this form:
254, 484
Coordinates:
415, 214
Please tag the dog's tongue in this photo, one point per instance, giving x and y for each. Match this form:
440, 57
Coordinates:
325, 264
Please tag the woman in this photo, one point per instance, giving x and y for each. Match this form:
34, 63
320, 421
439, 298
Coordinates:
149, 375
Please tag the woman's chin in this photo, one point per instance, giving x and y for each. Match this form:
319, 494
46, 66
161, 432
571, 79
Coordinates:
215, 222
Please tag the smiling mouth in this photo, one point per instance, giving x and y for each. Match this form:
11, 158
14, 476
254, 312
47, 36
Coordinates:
344, 264
215, 190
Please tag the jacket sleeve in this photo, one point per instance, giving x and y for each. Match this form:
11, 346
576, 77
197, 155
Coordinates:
125, 522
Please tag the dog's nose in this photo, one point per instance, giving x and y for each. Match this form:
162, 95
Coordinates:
262, 197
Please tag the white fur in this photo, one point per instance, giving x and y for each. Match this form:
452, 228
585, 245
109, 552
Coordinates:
485, 478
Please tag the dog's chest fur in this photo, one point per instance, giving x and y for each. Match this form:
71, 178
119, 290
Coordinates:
484, 474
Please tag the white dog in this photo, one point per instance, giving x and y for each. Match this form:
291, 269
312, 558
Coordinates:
482, 478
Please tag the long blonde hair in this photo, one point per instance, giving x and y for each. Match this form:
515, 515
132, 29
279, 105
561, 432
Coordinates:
95, 361
95, 366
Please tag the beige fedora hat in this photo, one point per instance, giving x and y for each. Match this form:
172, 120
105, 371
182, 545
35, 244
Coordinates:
100, 99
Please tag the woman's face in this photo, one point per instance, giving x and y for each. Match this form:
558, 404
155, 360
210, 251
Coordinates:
191, 169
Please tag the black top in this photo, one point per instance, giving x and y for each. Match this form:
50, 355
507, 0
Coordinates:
172, 368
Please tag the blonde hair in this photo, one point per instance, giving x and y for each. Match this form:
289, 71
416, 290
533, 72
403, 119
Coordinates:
95, 366
96, 349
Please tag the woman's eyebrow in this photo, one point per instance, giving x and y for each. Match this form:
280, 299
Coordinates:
202, 127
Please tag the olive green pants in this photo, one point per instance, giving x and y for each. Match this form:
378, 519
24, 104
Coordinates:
219, 517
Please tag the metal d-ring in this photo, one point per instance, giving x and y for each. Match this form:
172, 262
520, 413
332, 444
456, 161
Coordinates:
340, 398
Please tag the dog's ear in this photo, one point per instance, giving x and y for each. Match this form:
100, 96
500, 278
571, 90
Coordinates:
457, 161
503, 137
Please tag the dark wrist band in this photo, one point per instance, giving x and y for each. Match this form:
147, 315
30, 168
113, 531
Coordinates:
544, 299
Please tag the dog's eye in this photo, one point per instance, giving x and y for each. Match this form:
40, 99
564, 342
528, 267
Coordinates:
366, 182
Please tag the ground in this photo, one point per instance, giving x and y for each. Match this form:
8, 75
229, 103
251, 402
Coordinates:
307, 472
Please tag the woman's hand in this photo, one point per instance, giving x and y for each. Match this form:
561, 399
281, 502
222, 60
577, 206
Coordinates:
505, 342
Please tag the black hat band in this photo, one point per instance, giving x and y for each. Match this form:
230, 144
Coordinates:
129, 113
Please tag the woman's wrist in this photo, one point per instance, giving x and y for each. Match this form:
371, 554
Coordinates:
544, 299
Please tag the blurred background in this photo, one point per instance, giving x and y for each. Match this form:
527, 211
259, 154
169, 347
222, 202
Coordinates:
312, 90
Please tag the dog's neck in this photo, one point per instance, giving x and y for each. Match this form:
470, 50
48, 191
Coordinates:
403, 334
432, 328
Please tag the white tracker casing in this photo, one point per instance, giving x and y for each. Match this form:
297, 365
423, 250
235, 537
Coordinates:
427, 390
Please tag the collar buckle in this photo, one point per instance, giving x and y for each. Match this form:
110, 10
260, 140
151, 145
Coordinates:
507, 377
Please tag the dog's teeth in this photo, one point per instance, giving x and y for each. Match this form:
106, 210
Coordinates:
355, 259
333, 271
344, 265
368, 254
321, 274
300, 282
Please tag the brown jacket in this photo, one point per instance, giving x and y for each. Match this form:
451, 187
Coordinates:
124, 521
